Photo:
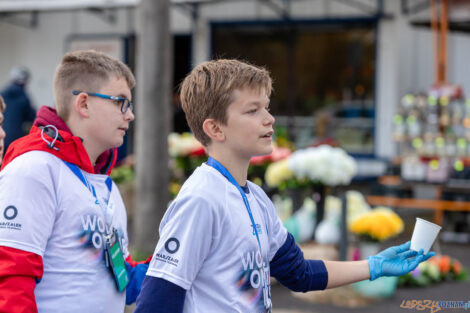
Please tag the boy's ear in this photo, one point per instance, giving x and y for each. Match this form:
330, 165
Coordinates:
213, 130
81, 105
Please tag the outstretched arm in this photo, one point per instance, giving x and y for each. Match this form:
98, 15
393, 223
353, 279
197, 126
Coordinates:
291, 269
342, 273
394, 261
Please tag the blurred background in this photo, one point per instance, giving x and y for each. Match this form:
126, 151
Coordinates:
371, 108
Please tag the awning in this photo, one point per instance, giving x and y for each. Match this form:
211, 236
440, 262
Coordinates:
60, 5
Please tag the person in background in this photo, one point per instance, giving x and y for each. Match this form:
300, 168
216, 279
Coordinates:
2, 132
63, 239
19, 111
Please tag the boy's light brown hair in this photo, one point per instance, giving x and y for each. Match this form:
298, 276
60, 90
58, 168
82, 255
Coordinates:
2, 105
85, 70
209, 89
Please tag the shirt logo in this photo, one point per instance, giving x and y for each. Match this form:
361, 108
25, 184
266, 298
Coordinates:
10, 212
258, 228
172, 245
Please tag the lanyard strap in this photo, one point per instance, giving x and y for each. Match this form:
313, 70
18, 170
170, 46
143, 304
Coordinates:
219, 167
222, 170
78, 172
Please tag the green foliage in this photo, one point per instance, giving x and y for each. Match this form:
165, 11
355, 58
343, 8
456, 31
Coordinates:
122, 174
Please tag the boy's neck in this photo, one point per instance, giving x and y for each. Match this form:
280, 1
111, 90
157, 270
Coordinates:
237, 167
92, 151
93, 154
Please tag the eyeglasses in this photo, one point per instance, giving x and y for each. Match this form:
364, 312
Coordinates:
125, 103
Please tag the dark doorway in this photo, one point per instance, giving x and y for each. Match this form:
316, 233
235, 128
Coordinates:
181, 67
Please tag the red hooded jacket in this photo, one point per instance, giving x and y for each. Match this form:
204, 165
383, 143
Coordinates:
20, 270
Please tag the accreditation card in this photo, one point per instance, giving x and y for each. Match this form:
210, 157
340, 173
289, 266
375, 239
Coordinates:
115, 260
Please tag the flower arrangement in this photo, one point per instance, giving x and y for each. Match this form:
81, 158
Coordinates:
377, 225
185, 144
279, 153
323, 165
259, 164
186, 154
438, 268
356, 205
278, 174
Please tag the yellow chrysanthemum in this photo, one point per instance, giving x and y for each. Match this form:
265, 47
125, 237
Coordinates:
379, 224
277, 172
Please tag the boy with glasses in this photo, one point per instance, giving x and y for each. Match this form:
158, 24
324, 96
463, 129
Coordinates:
63, 237
221, 240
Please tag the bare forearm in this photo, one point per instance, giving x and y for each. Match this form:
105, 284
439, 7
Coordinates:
343, 273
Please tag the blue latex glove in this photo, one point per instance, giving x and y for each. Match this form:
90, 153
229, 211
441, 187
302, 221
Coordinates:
396, 261
136, 277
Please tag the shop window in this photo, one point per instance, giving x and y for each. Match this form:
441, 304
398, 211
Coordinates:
323, 73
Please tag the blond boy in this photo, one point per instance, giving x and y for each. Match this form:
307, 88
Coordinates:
61, 212
221, 239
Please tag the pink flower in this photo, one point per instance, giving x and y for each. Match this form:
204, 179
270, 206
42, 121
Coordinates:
416, 272
277, 154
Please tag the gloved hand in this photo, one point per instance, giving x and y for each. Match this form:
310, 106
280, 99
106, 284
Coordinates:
396, 261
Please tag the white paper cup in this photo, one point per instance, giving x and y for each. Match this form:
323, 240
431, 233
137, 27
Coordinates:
424, 235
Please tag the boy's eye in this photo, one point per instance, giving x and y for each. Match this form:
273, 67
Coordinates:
252, 111
117, 102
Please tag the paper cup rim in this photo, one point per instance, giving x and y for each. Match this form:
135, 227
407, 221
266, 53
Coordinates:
428, 222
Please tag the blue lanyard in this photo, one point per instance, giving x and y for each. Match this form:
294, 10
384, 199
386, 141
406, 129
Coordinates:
109, 183
219, 167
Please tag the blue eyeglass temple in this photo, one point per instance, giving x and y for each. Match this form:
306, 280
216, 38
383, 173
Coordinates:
125, 103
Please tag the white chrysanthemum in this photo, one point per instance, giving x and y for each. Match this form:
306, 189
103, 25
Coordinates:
182, 144
323, 164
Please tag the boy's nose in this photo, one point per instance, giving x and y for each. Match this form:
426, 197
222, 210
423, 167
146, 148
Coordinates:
129, 115
3, 134
270, 119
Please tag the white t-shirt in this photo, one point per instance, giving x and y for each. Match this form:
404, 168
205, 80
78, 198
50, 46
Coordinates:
47, 210
208, 247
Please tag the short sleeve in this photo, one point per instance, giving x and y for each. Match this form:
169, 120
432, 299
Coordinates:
27, 204
186, 236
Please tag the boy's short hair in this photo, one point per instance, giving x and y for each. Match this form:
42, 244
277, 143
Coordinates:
85, 70
209, 89
2, 105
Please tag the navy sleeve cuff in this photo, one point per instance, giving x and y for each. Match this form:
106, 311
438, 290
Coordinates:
160, 296
291, 269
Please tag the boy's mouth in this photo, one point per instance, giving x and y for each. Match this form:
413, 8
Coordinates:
267, 135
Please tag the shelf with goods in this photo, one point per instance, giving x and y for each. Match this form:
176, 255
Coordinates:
432, 133
355, 134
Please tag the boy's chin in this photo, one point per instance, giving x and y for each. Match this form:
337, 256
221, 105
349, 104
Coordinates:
114, 145
264, 153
